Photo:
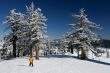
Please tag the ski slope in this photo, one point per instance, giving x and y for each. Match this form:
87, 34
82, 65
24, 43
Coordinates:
61, 64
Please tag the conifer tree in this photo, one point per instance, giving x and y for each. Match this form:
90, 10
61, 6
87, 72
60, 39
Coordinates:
83, 34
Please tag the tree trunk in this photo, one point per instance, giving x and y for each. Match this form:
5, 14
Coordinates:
37, 53
78, 52
83, 55
14, 46
107, 53
18, 53
14, 50
71, 50
30, 51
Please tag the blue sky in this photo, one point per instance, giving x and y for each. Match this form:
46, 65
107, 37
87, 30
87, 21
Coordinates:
59, 14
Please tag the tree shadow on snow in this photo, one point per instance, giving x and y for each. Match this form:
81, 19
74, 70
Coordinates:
98, 61
21, 65
75, 57
59, 56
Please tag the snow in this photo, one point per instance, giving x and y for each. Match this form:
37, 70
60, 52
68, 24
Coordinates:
1, 44
55, 64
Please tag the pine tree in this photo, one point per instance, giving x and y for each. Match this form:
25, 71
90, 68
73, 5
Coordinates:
82, 34
28, 30
14, 20
37, 25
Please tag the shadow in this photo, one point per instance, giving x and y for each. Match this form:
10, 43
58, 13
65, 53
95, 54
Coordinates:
99, 62
59, 56
75, 57
21, 65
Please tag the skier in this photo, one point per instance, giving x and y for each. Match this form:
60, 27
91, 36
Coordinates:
31, 61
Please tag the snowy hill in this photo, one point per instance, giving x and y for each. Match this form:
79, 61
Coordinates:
56, 64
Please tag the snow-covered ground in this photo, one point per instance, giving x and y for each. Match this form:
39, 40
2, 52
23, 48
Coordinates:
56, 64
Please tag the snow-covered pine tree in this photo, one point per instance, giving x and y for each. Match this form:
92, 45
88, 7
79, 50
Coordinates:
37, 25
14, 20
7, 43
28, 30
82, 34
